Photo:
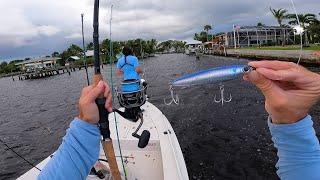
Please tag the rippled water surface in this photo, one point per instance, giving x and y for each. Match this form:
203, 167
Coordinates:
229, 142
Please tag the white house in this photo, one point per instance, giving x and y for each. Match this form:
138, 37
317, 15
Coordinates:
39, 63
192, 46
89, 53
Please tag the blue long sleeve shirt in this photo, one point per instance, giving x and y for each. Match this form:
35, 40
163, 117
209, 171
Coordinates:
298, 150
76, 155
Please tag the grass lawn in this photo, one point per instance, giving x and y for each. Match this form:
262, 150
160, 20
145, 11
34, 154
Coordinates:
312, 47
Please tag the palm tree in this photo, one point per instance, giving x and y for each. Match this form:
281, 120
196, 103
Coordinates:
305, 21
202, 36
280, 15
314, 32
260, 24
90, 46
152, 46
207, 28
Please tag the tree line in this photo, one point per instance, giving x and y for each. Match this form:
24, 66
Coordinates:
6, 68
139, 46
308, 22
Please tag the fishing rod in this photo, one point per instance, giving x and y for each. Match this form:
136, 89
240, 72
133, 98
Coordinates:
84, 52
103, 113
31, 164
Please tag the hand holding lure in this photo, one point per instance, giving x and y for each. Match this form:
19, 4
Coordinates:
209, 76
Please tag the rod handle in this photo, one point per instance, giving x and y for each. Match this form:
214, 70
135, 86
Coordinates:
103, 115
108, 149
96, 79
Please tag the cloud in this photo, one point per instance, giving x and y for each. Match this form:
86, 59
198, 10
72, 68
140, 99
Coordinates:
73, 36
36, 27
48, 30
17, 30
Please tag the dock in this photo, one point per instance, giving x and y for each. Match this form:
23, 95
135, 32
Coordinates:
47, 72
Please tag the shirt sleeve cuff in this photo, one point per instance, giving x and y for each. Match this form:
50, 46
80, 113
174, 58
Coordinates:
284, 135
303, 123
81, 124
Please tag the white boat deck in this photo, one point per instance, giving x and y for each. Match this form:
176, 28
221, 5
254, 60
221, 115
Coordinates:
160, 159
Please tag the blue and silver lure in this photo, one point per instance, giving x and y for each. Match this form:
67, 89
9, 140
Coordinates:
209, 76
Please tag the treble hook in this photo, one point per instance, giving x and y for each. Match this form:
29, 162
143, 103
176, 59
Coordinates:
173, 99
222, 98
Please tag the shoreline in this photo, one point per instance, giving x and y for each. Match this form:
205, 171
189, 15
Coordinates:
307, 57
89, 65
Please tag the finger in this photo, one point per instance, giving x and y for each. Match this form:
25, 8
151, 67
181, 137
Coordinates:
276, 65
280, 75
266, 86
106, 90
108, 104
95, 92
108, 96
246, 77
86, 90
286, 85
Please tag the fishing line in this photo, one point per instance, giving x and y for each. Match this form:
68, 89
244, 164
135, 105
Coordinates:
298, 20
112, 90
140, 42
31, 164
293, 6
84, 52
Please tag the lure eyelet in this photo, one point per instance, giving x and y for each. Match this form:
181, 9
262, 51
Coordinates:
248, 69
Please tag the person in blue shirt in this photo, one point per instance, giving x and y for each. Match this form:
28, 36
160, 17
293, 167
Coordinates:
290, 92
128, 65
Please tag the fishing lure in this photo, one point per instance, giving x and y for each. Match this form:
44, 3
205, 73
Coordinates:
209, 76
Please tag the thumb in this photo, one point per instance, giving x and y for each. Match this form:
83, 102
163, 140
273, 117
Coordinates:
95, 92
267, 86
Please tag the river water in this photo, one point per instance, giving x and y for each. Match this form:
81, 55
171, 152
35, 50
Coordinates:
218, 142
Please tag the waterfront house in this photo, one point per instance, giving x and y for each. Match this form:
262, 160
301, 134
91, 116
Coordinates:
89, 53
257, 36
38, 63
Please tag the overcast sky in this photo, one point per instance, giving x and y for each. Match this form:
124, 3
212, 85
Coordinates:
39, 27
